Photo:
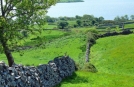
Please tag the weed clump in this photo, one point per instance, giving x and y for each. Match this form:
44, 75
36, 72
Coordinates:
89, 67
86, 67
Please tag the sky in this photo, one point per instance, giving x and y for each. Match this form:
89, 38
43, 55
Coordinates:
109, 9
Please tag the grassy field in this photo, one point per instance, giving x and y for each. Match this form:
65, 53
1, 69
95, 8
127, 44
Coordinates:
129, 25
112, 56
114, 51
46, 36
114, 59
61, 44
87, 79
48, 26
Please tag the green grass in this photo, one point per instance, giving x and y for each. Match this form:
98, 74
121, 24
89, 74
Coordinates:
46, 36
71, 22
115, 54
87, 79
47, 26
113, 57
129, 25
65, 44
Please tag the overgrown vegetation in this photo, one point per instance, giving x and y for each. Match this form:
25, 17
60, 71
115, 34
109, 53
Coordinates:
17, 17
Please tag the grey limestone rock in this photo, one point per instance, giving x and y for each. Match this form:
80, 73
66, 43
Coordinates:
45, 75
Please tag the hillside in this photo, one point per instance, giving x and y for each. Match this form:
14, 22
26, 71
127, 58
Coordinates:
57, 43
114, 54
113, 57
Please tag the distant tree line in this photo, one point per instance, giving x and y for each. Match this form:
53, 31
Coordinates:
88, 21
123, 18
73, 22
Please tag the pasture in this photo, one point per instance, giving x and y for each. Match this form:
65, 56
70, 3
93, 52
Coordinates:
112, 56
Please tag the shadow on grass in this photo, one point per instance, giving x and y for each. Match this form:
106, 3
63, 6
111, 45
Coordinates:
74, 79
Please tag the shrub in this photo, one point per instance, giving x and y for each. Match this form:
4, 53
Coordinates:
89, 67
86, 67
92, 30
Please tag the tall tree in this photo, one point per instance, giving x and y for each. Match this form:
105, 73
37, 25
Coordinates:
78, 17
88, 19
117, 19
62, 24
20, 15
79, 22
126, 17
132, 17
101, 19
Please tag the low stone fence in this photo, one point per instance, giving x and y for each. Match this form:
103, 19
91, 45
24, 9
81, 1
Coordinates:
46, 75
124, 32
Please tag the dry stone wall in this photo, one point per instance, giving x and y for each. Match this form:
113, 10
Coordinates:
46, 75
124, 32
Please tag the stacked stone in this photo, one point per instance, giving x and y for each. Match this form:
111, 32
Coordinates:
65, 66
46, 75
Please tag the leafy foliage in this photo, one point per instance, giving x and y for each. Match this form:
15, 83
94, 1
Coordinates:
17, 16
62, 24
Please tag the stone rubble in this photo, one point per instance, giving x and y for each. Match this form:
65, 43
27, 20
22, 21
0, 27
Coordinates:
46, 75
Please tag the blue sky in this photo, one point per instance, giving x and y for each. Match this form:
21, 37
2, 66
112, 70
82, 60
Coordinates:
106, 8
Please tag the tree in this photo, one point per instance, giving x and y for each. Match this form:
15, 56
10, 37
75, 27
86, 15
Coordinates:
88, 20
132, 17
50, 19
100, 19
79, 22
18, 15
62, 24
117, 19
78, 17
88, 17
93, 22
121, 19
63, 18
126, 17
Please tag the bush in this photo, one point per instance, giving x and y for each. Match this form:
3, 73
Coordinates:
82, 65
92, 30
91, 38
62, 24
89, 67
86, 67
